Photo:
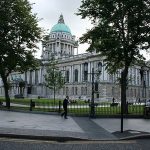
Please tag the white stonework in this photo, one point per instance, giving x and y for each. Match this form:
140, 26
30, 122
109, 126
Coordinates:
61, 45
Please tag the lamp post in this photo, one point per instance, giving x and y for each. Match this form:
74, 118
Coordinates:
143, 82
92, 112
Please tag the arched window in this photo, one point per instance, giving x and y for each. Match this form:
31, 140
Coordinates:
76, 75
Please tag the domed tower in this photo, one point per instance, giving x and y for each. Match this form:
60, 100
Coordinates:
59, 43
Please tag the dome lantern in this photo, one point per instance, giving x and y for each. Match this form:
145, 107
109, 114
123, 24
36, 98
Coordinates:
61, 19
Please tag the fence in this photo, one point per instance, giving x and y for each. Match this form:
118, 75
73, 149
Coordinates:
78, 108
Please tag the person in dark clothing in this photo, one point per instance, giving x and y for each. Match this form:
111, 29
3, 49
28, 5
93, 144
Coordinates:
65, 104
113, 100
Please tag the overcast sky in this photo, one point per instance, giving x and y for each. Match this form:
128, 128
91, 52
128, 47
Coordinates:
49, 11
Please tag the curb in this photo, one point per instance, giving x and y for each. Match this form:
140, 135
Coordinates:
50, 138
141, 136
65, 139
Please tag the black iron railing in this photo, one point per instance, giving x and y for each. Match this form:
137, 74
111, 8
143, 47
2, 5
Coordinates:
78, 107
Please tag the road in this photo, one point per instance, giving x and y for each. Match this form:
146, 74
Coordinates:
24, 144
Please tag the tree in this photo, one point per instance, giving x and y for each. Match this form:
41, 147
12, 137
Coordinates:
53, 77
121, 29
19, 33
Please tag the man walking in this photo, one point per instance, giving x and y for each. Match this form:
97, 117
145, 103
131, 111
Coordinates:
65, 104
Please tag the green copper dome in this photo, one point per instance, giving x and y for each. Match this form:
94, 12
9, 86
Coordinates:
60, 26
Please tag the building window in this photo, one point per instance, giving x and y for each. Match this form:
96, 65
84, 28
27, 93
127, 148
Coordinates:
76, 75
110, 78
25, 76
57, 44
135, 93
131, 94
67, 76
30, 80
54, 47
72, 90
67, 90
36, 76
85, 78
138, 80
76, 91
97, 95
83, 90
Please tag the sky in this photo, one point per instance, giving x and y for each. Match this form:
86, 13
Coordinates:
48, 12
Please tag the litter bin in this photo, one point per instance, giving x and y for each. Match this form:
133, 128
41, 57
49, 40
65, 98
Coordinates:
147, 111
32, 104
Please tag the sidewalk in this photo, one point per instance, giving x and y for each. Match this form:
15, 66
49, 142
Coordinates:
54, 127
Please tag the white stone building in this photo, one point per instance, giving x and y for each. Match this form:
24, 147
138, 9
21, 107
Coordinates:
77, 69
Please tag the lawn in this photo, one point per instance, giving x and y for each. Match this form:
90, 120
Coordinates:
79, 107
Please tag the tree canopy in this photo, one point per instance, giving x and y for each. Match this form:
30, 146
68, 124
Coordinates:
19, 34
53, 78
121, 29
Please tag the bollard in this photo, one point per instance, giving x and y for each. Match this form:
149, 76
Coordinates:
32, 104
127, 105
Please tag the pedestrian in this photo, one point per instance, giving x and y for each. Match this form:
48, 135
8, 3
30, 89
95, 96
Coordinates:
65, 104
113, 100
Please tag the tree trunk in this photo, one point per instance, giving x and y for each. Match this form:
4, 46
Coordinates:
6, 88
124, 75
124, 107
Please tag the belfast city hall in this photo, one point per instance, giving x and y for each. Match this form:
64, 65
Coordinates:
79, 70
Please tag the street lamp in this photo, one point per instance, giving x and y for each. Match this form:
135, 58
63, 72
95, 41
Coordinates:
98, 72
